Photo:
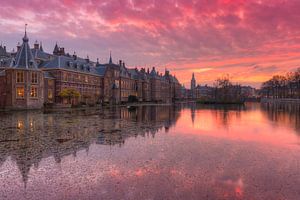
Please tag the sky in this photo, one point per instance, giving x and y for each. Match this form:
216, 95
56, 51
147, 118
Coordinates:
249, 40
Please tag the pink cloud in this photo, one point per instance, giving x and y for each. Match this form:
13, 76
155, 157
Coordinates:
179, 34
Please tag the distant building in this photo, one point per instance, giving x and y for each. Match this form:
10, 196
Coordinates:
193, 86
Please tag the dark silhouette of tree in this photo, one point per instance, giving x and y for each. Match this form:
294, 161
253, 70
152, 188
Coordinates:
279, 86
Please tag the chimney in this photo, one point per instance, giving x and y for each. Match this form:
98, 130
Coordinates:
18, 46
62, 51
74, 55
124, 64
120, 63
4, 47
36, 45
87, 59
148, 71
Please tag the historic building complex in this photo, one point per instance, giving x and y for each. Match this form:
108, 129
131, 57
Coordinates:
31, 78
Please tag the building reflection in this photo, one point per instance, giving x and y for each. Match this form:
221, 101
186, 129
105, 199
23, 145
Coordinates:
283, 114
223, 115
29, 137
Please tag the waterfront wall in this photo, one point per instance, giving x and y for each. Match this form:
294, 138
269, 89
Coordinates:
270, 100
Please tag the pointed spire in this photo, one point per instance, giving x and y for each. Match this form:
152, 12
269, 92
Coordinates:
25, 38
24, 58
110, 58
41, 47
56, 49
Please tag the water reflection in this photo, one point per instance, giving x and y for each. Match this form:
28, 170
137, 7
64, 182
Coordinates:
28, 137
223, 114
164, 151
283, 114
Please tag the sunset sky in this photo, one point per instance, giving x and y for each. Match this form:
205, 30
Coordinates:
250, 40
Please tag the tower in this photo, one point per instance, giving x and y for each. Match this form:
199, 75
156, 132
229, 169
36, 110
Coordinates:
193, 82
193, 86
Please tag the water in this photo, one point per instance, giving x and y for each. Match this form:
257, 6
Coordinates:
185, 151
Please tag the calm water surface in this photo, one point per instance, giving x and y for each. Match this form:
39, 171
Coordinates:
184, 151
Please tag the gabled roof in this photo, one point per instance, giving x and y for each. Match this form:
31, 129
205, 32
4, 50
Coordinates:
39, 54
70, 63
3, 52
101, 69
6, 62
135, 74
24, 58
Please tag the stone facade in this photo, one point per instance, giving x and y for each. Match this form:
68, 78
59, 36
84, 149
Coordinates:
31, 78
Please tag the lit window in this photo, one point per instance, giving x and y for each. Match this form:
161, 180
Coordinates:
33, 92
50, 82
86, 79
50, 94
20, 77
20, 92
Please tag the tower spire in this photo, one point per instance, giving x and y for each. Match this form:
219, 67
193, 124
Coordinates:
25, 38
41, 47
110, 58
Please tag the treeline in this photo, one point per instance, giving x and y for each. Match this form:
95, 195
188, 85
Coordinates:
224, 92
279, 86
227, 92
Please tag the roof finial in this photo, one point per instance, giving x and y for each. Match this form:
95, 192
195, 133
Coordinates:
25, 38
41, 47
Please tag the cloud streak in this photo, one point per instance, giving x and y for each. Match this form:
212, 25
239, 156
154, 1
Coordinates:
225, 36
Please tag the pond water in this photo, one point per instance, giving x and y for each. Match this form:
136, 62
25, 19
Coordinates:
183, 151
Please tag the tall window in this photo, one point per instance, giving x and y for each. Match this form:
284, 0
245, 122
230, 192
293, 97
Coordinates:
33, 92
50, 94
50, 82
20, 77
20, 92
65, 76
34, 77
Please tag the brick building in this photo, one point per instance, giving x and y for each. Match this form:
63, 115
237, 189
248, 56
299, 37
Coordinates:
30, 78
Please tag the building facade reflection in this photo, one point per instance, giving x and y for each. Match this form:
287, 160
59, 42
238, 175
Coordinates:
283, 114
29, 137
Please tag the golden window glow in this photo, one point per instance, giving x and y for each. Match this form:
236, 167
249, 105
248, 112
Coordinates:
20, 92
50, 82
50, 94
33, 92
20, 77
34, 77
20, 125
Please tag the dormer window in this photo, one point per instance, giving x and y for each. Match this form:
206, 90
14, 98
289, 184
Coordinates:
31, 63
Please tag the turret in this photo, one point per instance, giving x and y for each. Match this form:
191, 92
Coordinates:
36, 45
